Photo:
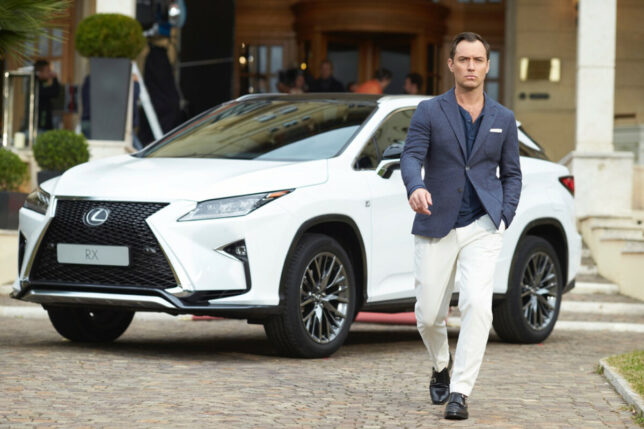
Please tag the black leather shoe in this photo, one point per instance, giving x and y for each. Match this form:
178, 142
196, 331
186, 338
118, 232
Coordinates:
456, 408
439, 386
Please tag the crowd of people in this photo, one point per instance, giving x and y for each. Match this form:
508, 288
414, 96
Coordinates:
296, 81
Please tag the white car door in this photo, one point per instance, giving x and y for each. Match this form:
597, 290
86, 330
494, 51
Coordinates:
392, 247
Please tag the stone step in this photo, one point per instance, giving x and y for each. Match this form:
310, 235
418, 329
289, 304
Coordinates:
596, 288
623, 234
617, 308
588, 270
633, 247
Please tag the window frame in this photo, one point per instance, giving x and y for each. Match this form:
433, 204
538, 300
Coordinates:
372, 138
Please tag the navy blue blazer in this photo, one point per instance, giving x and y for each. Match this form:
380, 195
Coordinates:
436, 140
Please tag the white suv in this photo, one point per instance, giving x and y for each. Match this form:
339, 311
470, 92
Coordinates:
284, 210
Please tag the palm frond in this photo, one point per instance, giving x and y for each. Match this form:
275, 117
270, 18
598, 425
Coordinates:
22, 21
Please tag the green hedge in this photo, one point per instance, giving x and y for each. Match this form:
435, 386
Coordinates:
109, 35
12, 170
60, 150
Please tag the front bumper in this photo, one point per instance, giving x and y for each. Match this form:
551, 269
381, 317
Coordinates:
205, 278
136, 299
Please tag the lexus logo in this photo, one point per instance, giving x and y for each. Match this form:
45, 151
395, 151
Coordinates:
96, 217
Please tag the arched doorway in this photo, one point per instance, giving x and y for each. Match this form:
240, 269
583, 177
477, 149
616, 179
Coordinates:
362, 35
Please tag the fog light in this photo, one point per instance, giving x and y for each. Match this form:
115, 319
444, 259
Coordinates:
237, 249
240, 250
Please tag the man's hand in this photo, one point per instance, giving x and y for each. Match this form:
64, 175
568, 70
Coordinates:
420, 201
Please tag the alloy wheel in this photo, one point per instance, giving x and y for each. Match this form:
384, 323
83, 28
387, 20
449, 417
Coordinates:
539, 288
324, 297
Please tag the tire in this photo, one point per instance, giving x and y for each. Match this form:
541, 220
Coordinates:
318, 305
530, 309
89, 325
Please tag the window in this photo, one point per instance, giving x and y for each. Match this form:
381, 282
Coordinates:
492, 81
392, 130
259, 67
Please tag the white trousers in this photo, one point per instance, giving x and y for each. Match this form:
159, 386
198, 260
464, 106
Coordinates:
473, 250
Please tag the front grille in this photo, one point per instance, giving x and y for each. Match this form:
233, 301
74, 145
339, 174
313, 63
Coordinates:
125, 226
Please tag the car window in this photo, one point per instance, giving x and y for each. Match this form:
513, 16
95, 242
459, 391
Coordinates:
392, 130
528, 147
266, 129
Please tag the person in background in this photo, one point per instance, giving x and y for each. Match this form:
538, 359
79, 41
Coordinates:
291, 81
326, 82
381, 79
351, 86
413, 84
48, 89
299, 84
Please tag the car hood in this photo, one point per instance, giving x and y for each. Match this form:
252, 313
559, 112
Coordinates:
167, 179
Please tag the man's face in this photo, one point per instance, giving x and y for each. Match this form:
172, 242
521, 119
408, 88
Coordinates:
43, 72
470, 64
326, 70
410, 88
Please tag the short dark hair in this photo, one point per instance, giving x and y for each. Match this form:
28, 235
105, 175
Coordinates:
416, 79
40, 64
382, 74
468, 36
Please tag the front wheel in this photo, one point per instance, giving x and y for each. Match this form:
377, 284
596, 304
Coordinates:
319, 300
89, 325
531, 307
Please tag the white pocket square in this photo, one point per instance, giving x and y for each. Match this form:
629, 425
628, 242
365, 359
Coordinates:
496, 130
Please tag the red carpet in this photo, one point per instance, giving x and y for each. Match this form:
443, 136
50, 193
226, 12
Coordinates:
364, 317
387, 318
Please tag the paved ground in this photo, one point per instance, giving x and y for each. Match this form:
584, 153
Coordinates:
225, 374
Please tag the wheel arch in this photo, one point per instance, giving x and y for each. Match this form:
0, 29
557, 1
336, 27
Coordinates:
551, 230
345, 231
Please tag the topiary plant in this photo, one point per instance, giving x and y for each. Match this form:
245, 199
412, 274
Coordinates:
109, 35
60, 150
12, 171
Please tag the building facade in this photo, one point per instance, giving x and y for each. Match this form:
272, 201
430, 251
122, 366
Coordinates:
229, 48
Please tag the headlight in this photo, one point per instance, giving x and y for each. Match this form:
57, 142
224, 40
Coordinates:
231, 207
38, 201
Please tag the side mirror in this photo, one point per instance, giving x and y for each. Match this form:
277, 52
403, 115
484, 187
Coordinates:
387, 167
393, 151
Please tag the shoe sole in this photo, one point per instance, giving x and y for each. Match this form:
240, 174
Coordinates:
455, 416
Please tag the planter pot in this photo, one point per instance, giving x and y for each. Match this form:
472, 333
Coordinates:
44, 175
10, 204
109, 89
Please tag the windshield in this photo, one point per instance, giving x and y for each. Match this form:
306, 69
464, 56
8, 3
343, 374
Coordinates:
266, 129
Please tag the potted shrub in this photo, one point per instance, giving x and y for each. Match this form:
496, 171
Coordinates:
13, 172
111, 41
58, 150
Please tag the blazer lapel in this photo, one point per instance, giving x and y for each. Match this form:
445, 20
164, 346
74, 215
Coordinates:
450, 108
484, 129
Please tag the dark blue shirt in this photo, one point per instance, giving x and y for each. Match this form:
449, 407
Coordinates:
471, 207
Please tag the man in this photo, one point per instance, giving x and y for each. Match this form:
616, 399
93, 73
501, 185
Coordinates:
468, 145
381, 79
48, 89
413, 84
326, 82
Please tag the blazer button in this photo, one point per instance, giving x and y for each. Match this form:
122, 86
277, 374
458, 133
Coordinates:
467, 168
460, 189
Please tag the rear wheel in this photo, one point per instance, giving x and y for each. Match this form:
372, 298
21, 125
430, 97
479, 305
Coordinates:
531, 307
319, 300
89, 325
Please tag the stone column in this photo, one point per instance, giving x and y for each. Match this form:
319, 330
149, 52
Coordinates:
603, 177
